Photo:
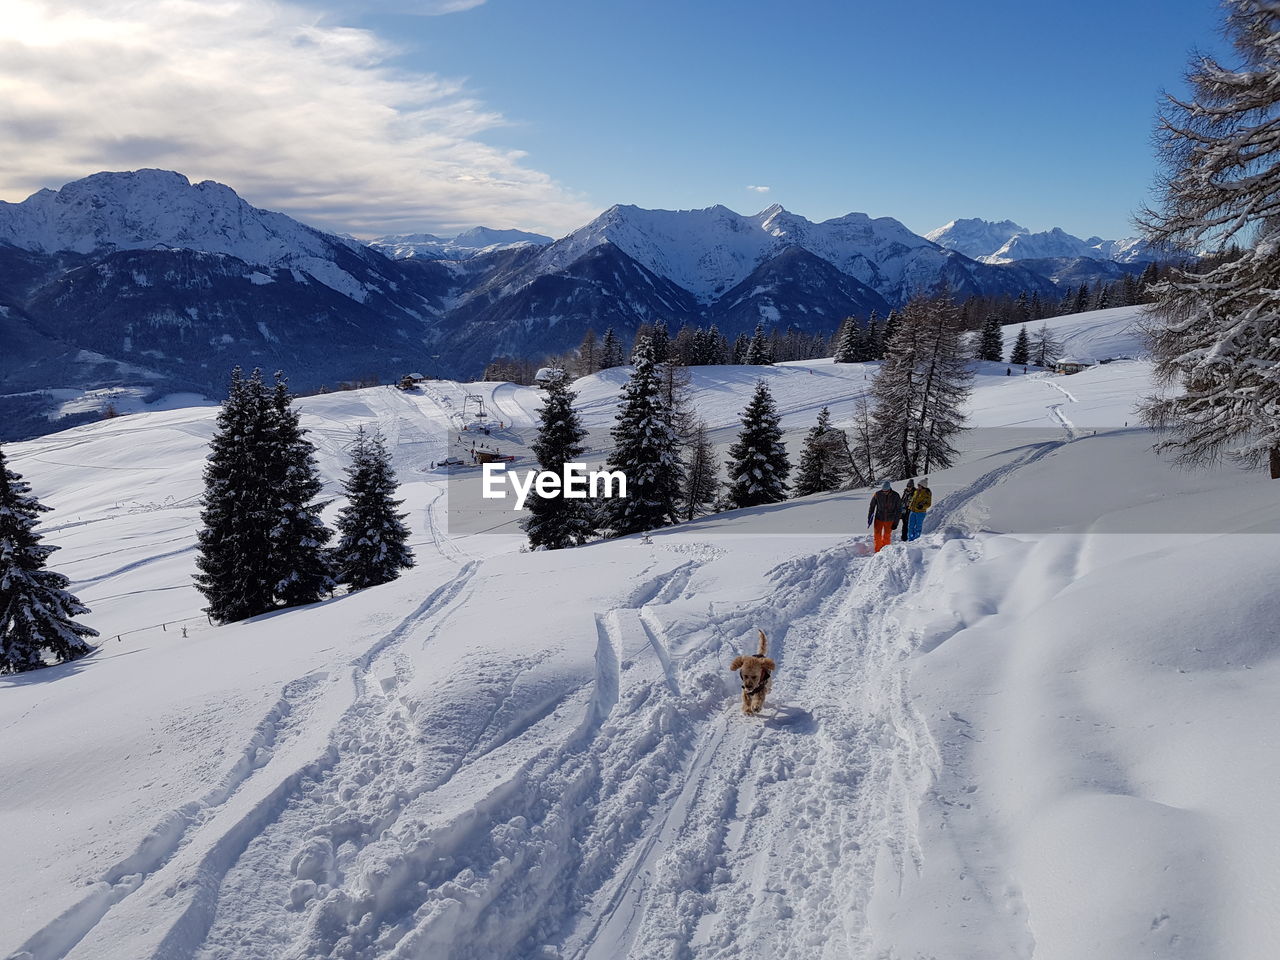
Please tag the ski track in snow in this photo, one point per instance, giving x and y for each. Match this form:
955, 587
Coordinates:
1055, 410
665, 824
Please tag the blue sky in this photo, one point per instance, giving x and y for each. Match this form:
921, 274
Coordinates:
369, 116
1034, 111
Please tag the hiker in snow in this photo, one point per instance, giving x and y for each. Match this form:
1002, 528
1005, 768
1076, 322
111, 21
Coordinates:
885, 511
920, 503
1008, 371
907, 492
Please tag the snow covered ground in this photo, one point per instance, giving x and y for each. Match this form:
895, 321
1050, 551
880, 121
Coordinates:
1001, 741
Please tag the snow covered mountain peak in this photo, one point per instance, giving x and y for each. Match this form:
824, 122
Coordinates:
467, 244
1005, 241
975, 237
149, 209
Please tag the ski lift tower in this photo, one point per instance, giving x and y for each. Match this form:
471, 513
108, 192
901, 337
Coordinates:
478, 401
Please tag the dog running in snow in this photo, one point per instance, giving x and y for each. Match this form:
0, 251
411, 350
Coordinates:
756, 672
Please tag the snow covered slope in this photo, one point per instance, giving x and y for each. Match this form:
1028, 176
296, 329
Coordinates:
975, 237
1041, 730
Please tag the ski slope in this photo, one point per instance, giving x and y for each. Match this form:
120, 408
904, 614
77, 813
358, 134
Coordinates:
1043, 730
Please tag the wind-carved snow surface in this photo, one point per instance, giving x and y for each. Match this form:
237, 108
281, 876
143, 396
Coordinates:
973, 741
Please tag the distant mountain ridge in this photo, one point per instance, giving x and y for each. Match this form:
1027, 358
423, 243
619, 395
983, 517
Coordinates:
1007, 242
143, 277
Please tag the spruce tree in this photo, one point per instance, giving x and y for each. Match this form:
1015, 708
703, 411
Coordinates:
824, 460
36, 611
556, 521
849, 343
758, 352
758, 463
610, 350
702, 480
1214, 333
303, 573
373, 538
881, 349
646, 450
235, 556
992, 341
1020, 356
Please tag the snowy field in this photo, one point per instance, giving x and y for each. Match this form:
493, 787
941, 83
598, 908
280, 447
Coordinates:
1000, 741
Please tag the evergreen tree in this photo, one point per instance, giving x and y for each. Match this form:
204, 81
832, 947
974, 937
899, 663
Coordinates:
1081, 302
873, 341
991, 346
588, 354
1022, 308
36, 611
758, 352
1037, 307
303, 571
373, 538
557, 521
702, 481
738, 355
849, 343
610, 350
824, 459
1215, 330
235, 557
881, 349
717, 346
1146, 284
661, 338
646, 450
758, 463
1020, 356
1045, 349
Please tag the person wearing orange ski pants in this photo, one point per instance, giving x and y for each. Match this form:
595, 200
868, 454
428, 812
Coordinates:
886, 512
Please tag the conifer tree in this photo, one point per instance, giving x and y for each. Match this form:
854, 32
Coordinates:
1022, 308
873, 341
991, 346
738, 355
1081, 302
881, 348
702, 480
758, 352
920, 390
556, 521
235, 558
373, 538
36, 610
1215, 330
610, 351
1020, 356
758, 463
1045, 349
588, 354
303, 572
823, 461
661, 337
1037, 307
848, 343
646, 450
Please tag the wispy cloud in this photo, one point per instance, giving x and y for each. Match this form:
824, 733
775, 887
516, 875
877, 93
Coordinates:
756, 189
295, 112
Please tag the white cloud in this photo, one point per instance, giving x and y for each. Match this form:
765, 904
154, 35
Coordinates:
296, 113
758, 189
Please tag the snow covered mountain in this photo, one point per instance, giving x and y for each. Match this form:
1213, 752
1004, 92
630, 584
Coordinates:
711, 250
1057, 704
974, 237
1007, 242
145, 280
465, 245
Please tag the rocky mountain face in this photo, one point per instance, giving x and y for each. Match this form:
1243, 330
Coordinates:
146, 279
1007, 242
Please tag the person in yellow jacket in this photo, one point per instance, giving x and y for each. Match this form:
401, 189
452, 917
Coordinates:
917, 507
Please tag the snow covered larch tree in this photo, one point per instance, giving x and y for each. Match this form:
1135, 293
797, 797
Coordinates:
646, 450
758, 464
36, 611
373, 538
556, 521
702, 479
1214, 333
